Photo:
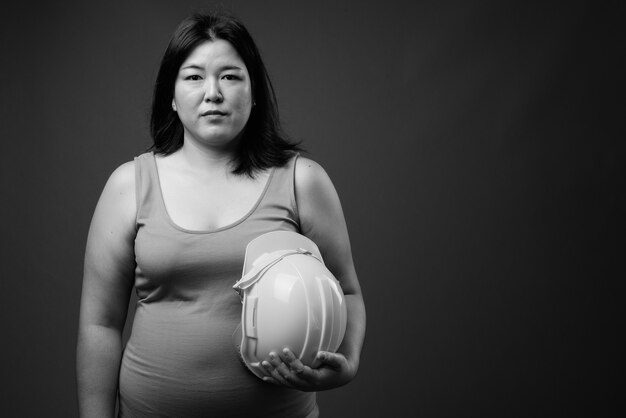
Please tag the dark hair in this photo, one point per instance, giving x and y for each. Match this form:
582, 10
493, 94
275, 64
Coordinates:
263, 143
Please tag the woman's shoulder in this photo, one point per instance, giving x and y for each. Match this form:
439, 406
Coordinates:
309, 174
123, 177
119, 189
314, 189
116, 208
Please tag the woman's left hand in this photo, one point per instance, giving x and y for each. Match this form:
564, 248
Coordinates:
331, 370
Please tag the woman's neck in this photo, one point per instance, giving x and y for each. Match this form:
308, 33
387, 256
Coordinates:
206, 160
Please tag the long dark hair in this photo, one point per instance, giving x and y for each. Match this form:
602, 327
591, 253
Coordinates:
263, 143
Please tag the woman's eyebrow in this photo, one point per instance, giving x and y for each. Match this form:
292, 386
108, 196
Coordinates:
192, 67
200, 67
229, 67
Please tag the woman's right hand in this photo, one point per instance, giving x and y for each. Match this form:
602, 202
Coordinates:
329, 371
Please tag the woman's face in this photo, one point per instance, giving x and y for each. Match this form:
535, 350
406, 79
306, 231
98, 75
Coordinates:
213, 94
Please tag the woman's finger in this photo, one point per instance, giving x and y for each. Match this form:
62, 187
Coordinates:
268, 369
292, 361
274, 373
271, 380
332, 360
280, 371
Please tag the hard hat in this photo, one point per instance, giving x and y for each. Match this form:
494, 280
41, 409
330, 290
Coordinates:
290, 299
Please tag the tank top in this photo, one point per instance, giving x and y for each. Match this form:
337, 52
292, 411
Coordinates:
180, 359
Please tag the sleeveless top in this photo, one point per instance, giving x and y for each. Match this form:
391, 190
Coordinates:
180, 360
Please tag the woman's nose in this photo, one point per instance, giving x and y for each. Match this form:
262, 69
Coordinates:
212, 92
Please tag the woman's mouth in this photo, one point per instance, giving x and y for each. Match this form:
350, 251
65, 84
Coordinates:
213, 113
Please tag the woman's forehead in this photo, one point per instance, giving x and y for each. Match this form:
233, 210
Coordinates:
216, 53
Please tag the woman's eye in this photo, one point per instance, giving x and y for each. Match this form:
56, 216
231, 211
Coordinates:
230, 77
193, 77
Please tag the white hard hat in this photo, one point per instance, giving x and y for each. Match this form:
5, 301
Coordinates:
290, 299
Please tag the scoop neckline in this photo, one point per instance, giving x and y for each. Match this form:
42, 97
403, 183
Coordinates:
207, 231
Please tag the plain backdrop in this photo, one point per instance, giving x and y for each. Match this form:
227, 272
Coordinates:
478, 149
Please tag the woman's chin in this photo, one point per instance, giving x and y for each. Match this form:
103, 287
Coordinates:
221, 142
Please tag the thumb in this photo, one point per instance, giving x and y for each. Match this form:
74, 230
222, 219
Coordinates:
332, 360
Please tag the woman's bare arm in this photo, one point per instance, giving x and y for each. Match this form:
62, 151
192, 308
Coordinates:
107, 284
322, 220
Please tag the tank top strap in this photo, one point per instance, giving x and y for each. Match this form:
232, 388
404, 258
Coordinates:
146, 185
281, 190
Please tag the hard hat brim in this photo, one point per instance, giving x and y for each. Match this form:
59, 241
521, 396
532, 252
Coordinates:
276, 241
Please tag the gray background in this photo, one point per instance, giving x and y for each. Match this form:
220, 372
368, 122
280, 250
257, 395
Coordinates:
477, 148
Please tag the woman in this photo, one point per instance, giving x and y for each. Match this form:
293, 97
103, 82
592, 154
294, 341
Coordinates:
174, 224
